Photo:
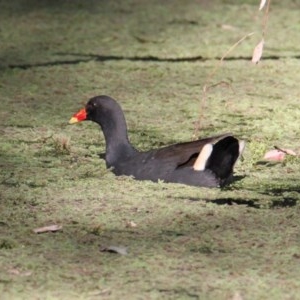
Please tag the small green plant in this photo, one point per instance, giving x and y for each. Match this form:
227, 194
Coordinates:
6, 244
61, 144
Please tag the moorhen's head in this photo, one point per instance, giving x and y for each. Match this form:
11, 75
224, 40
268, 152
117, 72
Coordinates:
98, 109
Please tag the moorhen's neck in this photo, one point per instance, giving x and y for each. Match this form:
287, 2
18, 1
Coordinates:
114, 127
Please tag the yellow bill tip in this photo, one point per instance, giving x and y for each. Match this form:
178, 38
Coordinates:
73, 120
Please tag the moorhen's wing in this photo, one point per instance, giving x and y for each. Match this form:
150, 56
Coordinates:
185, 154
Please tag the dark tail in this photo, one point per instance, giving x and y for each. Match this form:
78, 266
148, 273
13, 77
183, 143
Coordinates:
223, 157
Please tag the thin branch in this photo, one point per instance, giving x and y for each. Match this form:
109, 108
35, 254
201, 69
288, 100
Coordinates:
198, 124
265, 19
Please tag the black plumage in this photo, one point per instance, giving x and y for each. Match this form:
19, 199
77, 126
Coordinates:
175, 163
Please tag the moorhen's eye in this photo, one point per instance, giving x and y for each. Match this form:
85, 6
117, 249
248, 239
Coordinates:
90, 107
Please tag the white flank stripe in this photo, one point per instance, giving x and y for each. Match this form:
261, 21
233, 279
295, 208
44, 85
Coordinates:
202, 158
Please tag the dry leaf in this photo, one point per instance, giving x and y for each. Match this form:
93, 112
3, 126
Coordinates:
27, 273
115, 249
237, 296
257, 52
14, 272
262, 4
18, 272
131, 224
99, 293
50, 228
274, 155
228, 27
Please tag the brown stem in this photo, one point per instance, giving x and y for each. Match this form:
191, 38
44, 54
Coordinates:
198, 124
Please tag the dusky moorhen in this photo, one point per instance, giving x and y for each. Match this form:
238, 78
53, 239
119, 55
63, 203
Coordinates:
206, 162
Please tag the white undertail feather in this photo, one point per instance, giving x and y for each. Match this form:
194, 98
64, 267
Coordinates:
242, 145
202, 158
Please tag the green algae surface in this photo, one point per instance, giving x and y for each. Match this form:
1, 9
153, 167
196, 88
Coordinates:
154, 57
